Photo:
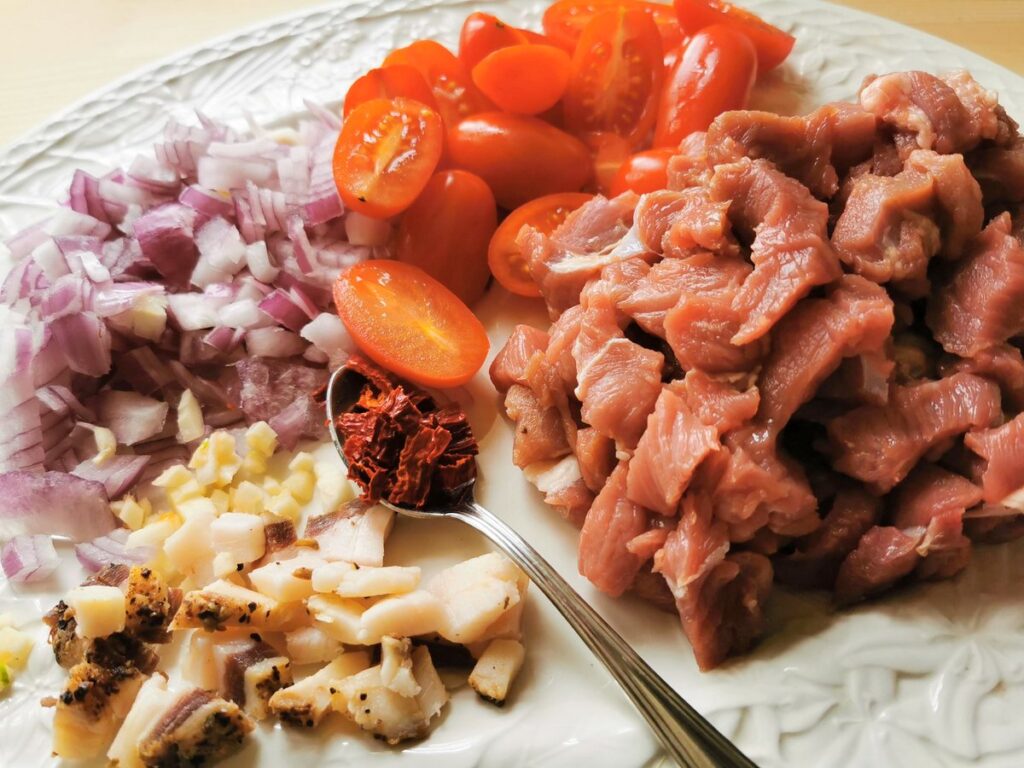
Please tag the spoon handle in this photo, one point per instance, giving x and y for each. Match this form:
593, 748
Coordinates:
690, 739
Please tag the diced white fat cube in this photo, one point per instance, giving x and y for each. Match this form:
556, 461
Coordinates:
378, 709
415, 613
286, 580
396, 666
433, 695
200, 664
496, 668
374, 582
327, 577
339, 617
99, 610
307, 701
152, 702
475, 594
311, 645
226, 604
190, 547
358, 538
190, 418
239, 535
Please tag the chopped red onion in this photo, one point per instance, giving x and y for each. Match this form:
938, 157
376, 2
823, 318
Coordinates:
121, 297
68, 222
156, 179
280, 306
206, 202
54, 503
362, 230
232, 173
166, 236
257, 258
29, 558
305, 254
112, 549
273, 342
196, 311
328, 334
130, 416
224, 339
85, 342
118, 473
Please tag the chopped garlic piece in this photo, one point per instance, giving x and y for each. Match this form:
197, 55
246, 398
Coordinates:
215, 461
247, 497
333, 486
106, 444
99, 610
131, 512
15, 647
173, 477
300, 484
221, 500
496, 668
261, 439
154, 534
285, 506
200, 506
190, 418
374, 582
149, 317
302, 462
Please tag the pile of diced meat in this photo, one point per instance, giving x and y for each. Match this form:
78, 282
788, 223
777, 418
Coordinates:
798, 363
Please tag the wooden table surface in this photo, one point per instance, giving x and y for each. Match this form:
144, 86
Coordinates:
54, 52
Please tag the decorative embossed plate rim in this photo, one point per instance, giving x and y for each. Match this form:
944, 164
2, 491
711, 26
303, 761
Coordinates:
932, 676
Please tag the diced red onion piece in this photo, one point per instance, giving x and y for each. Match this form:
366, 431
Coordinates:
322, 209
229, 173
273, 342
111, 549
196, 311
28, 558
118, 473
243, 314
54, 503
166, 235
68, 222
206, 391
224, 339
280, 306
305, 254
121, 297
207, 202
160, 180
258, 260
85, 342
327, 333
132, 417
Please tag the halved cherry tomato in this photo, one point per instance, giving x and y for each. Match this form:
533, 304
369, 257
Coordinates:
715, 74
545, 214
772, 44
564, 20
448, 77
609, 151
482, 34
519, 157
616, 75
386, 153
525, 79
447, 230
387, 83
406, 321
643, 172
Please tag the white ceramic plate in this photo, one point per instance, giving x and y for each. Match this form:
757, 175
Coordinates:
931, 677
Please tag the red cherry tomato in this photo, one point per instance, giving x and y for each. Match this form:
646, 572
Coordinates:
525, 79
609, 151
715, 74
386, 153
406, 321
447, 230
616, 76
387, 83
643, 172
448, 77
483, 34
519, 157
772, 44
564, 20
506, 260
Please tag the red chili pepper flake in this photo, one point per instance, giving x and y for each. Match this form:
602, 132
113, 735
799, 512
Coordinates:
400, 445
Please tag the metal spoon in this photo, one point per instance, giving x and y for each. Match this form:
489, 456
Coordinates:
690, 739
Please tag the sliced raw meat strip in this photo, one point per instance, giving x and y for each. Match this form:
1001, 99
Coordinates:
509, 365
1002, 448
1000, 172
994, 524
816, 560
957, 199
539, 432
562, 334
716, 402
884, 556
674, 444
1002, 363
791, 251
596, 455
861, 380
988, 121
689, 167
679, 223
879, 445
931, 491
612, 522
980, 305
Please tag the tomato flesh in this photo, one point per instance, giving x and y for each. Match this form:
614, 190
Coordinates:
519, 157
525, 79
508, 263
715, 74
388, 83
407, 322
772, 44
448, 78
643, 172
447, 230
616, 76
483, 34
564, 20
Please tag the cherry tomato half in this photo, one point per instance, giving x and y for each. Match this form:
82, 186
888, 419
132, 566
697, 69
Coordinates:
715, 74
564, 20
447, 230
482, 34
387, 83
386, 153
519, 157
525, 79
643, 172
406, 321
772, 44
448, 77
506, 260
616, 76
609, 152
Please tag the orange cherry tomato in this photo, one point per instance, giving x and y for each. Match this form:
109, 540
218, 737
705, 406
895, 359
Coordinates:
407, 322
386, 153
715, 74
387, 83
564, 20
508, 264
447, 230
772, 44
616, 76
525, 79
643, 172
519, 157
483, 34
448, 77
609, 151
